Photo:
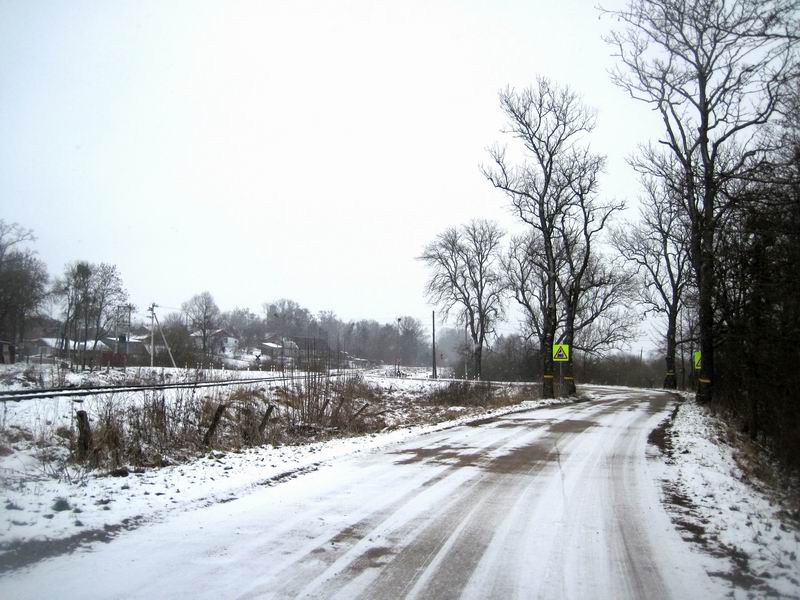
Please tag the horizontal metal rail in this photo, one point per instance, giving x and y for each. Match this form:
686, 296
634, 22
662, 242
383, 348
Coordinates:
67, 392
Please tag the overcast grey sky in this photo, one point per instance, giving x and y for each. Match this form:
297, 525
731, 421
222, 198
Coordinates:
301, 149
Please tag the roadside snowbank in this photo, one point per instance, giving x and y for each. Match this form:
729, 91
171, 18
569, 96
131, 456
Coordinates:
720, 506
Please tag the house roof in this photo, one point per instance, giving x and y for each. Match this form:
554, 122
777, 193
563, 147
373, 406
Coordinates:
215, 333
73, 345
50, 342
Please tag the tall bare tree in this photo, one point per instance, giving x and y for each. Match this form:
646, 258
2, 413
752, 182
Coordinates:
551, 124
583, 221
526, 272
23, 280
90, 293
12, 234
715, 72
465, 276
658, 246
23, 289
107, 293
203, 315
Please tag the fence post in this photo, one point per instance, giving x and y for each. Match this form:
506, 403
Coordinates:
214, 422
84, 434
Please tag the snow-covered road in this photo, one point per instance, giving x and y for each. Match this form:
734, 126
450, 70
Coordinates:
552, 503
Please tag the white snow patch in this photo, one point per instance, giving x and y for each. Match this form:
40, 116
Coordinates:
742, 518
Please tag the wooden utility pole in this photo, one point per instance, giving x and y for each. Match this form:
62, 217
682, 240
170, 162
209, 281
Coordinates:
164, 339
433, 323
152, 310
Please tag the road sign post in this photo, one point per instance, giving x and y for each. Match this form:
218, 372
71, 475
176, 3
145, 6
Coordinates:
561, 355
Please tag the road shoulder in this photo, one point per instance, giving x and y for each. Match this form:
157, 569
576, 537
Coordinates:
714, 489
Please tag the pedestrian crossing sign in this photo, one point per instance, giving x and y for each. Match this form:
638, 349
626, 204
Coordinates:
697, 359
560, 352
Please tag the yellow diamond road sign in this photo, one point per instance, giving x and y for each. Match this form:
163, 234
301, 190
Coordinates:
560, 352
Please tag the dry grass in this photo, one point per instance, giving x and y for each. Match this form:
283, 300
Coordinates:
146, 429
158, 428
482, 394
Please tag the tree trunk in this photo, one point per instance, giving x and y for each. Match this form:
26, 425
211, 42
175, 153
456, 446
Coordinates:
85, 338
477, 355
84, 435
567, 372
568, 378
548, 334
209, 436
670, 381
265, 419
548, 389
706, 317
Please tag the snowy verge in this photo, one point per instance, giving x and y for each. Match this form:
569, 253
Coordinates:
718, 504
47, 509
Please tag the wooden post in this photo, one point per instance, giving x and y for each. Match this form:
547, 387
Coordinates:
264, 420
84, 435
359, 411
214, 422
433, 324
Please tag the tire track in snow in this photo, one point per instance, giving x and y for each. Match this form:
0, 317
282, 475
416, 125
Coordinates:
321, 554
440, 556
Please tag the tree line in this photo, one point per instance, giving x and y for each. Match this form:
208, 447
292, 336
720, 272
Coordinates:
92, 304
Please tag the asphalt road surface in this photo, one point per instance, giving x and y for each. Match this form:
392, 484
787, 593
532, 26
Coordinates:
552, 503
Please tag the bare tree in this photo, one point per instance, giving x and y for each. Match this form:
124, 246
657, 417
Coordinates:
603, 318
715, 72
107, 292
12, 234
90, 293
658, 246
525, 269
464, 262
23, 289
579, 227
23, 280
557, 170
203, 314
75, 290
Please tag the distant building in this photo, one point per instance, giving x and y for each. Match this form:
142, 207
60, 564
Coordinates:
49, 347
219, 342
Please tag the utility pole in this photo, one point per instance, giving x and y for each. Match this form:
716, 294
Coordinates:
152, 310
166, 343
128, 334
433, 323
397, 359
117, 317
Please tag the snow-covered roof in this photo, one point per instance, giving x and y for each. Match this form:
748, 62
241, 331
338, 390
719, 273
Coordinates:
73, 344
51, 342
